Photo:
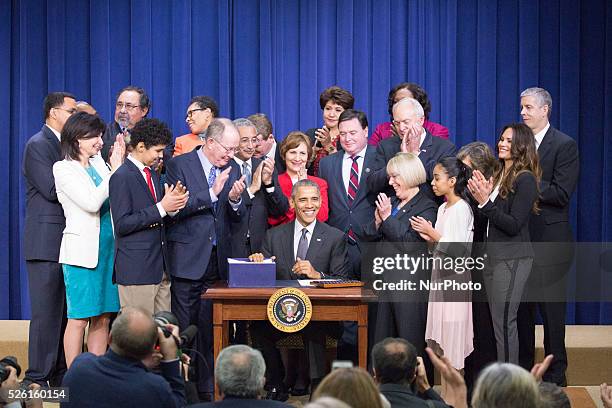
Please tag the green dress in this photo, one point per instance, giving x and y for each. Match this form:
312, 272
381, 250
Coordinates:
91, 292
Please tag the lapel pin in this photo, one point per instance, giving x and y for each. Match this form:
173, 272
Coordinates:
318, 239
367, 169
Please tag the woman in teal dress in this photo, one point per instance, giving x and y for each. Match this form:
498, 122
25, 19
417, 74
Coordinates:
87, 248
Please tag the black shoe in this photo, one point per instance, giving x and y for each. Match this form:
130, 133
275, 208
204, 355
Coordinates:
277, 394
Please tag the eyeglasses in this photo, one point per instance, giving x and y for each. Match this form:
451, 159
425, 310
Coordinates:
70, 111
127, 106
190, 113
228, 150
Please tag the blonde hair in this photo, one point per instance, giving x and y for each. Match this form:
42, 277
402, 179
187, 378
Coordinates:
351, 385
501, 383
409, 169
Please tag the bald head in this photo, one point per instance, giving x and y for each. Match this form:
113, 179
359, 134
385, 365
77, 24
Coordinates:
133, 334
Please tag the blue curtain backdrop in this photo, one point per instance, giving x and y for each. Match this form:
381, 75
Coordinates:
275, 56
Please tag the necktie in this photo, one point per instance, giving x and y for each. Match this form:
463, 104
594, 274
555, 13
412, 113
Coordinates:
246, 171
353, 186
150, 183
212, 176
302, 248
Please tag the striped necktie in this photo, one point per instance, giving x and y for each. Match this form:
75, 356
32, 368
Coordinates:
353, 187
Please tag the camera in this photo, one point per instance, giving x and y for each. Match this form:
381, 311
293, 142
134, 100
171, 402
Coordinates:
5, 363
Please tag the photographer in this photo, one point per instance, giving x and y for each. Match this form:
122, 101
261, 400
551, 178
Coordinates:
11, 388
119, 378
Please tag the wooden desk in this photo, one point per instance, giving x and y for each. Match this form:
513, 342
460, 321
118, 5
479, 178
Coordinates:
337, 304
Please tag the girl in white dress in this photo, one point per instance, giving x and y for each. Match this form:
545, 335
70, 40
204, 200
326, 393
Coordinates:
449, 329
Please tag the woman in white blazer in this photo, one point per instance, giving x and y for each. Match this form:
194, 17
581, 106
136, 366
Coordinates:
86, 252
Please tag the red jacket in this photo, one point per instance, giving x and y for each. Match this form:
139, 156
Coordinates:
286, 185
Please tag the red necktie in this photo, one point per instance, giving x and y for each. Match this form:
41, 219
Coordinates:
150, 182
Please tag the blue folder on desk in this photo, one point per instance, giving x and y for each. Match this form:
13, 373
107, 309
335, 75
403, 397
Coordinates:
246, 274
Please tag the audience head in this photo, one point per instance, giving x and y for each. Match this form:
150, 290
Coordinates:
334, 100
265, 137
353, 127
222, 140
132, 105
478, 156
553, 396
82, 136
500, 384
133, 334
248, 138
83, 106
296, 151
394, 361
200, 112
406, 172
58, 107
351, 385
240, 372
306, 200
407, 112
451, 174
536, 106
327, 402
409, 90
148, 139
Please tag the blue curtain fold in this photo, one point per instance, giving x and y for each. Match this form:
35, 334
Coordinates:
276, 56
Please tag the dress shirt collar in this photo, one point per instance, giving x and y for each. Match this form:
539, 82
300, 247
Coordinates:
297, 229
272, 153
206, 165
137, 163
55, 132
361, 154
540, 135
239, 161
423, 135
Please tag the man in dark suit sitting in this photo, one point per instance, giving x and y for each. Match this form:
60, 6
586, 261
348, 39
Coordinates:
119, 378
240, 376
408, 119
303, 249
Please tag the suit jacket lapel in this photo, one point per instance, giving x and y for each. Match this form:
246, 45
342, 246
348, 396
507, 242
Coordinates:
368, 165
197, 170
53, 140
547, 140
140, 179
316, 243
339, 180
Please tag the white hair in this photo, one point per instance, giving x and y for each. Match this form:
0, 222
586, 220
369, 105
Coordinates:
413, 104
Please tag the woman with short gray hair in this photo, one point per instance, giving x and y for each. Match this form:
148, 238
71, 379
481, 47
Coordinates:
500, 385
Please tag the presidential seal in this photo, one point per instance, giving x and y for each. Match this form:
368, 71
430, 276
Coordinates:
289, 310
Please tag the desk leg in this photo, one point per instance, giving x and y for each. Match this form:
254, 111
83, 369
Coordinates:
218, 334
362, 336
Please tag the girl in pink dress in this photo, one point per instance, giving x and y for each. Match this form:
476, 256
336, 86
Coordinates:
449, 329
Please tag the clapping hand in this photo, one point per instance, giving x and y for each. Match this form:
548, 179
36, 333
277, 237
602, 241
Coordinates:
539, 369
411, 142
457, 391
302, 174
425, 229
256, 181
174, 199
323, 136
606, 395
237, 189
480, 187
383, 205
220, 180
267, 171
